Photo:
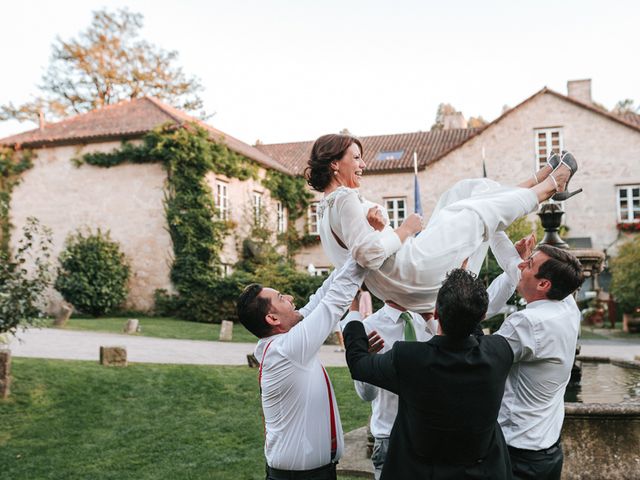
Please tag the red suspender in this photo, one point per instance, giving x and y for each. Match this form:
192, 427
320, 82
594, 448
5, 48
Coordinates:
334, 436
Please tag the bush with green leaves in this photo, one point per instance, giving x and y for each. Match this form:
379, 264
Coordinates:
625, 275
93, 274
24, 278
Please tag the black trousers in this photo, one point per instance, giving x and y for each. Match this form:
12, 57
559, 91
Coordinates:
537, 464
327, 472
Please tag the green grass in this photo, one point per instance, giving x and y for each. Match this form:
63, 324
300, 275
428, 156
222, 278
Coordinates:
160, 327
77, 420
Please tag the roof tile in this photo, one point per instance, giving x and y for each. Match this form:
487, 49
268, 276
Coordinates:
126, 119
428, 146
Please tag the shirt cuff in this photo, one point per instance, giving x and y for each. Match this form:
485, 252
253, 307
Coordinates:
351, 317
390, 242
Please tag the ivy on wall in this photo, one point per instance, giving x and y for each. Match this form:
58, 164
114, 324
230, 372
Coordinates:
12, 164
295, 196
187, 154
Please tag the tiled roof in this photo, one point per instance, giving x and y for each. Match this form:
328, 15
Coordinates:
124, 120
428, 145
630, 117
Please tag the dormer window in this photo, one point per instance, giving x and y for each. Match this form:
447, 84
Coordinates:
390, 155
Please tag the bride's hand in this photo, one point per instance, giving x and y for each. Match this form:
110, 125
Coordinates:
411, 225
375, 218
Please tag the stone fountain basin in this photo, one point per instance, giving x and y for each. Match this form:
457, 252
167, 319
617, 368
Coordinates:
602, 440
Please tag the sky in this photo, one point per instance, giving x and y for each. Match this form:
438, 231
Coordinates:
292, 70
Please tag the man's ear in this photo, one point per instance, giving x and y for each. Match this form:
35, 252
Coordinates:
272, 319
544, 285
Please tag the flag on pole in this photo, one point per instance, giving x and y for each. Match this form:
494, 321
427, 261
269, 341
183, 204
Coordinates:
417, 206
484, 166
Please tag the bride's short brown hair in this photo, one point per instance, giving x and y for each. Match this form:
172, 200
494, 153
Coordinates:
327, 149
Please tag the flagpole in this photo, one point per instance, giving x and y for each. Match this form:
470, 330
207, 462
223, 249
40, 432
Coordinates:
486, 258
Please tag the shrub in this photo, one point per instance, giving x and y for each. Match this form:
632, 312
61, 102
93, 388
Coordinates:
93, 273
24, 278
625, 275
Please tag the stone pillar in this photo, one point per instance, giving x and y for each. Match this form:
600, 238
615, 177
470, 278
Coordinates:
66, 309
113, 356
5, 372
226, 331
131, 326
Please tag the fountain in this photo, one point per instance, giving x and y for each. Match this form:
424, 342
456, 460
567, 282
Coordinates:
600, 440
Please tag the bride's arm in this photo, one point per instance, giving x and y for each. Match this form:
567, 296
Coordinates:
370, 248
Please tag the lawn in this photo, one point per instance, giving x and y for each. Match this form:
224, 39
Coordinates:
77, 420
161, 327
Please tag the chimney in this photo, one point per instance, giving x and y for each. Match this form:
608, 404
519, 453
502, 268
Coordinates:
580, 90
453, 120
41, 119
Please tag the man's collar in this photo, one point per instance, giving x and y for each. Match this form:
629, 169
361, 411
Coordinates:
455, 343
392, 313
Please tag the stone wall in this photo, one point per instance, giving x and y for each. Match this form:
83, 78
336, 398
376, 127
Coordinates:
126, 200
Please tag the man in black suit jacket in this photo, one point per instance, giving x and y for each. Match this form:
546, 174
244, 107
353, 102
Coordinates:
449, 389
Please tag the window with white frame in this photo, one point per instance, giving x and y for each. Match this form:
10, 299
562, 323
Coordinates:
628, 203
226, 269
547, 140
222, 200
312, 218
321, 271
282, 217
257, 208
397, 210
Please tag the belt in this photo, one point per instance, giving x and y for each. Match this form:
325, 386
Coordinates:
299, 474
546, 451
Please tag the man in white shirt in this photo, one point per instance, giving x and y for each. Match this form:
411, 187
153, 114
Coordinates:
393, 323
304, 437
543, 339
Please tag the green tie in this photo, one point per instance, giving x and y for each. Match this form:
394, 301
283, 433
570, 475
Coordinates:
409, 332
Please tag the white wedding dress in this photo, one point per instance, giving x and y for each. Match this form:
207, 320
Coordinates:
411, 273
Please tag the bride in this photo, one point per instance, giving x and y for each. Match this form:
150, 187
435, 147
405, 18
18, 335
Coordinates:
409, 269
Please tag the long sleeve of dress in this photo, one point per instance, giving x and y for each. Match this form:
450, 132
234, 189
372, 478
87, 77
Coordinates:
369, 247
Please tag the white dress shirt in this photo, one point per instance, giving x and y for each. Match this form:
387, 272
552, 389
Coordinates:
295, 400
411, 273
543, 338
389, 325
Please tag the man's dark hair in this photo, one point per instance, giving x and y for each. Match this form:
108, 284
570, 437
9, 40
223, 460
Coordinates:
562, 269
252, 310
461, 304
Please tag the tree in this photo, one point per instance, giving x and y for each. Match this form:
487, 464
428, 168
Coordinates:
625, 275
626, 106
443, 110
21, 287
107, 63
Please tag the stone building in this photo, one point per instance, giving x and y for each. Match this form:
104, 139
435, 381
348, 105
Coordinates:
127, 200
606, 145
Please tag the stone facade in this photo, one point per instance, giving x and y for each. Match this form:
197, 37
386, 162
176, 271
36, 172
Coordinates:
127, 201
608, 154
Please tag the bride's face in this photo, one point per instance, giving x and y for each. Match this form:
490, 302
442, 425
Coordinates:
350, 167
